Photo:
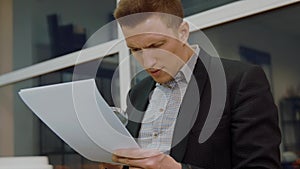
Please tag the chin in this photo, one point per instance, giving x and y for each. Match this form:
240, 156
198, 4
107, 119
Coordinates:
162, 80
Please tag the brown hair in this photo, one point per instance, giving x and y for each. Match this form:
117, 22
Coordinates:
132, 7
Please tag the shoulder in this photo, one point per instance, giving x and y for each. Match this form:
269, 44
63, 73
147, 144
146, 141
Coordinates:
245, 82
237, 71
232, 69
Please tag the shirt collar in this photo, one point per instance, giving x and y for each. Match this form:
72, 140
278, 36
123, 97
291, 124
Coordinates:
187, 69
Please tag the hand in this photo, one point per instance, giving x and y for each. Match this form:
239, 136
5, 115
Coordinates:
110, 166
145, 159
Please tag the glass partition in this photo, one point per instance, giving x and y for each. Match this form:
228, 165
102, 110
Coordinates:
47, 29
196, 6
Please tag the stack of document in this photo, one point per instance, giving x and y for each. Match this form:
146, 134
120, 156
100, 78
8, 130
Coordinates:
79, 115
24, 163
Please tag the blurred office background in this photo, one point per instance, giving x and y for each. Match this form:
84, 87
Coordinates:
37, 31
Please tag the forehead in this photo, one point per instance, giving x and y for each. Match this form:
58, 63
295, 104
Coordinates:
146, 40
152, 25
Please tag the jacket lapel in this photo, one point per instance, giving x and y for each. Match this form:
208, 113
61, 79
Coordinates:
189, 108
137, 105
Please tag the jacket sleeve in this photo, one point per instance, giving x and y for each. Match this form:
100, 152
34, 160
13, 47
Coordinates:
255, 134
188, 166
254, 124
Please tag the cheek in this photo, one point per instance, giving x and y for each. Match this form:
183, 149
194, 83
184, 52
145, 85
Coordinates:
138, 58
171, 56
175, 48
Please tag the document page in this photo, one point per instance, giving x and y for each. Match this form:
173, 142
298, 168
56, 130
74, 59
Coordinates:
79, 115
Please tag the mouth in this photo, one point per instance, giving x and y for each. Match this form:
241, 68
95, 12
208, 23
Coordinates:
154, 72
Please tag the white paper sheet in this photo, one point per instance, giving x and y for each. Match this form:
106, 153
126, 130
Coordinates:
79, 115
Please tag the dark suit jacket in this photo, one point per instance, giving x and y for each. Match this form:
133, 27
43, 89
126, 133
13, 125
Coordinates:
247, 136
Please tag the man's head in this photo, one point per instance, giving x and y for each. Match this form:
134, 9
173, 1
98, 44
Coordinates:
131, 7
156, 34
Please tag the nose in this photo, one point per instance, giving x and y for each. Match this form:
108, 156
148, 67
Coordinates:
149, 59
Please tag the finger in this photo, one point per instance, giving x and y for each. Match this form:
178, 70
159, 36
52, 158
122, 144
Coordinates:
116, 158
136, 153
102, 165
124, 160
121, 160
151, 162
110, 166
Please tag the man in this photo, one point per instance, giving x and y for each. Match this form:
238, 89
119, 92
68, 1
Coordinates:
167, 113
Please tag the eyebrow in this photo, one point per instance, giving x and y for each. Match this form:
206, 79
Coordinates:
131, 46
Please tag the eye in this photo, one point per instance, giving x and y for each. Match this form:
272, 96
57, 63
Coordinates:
156, 45
135, 49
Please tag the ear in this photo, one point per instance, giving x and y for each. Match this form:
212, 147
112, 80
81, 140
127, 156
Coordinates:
184, 32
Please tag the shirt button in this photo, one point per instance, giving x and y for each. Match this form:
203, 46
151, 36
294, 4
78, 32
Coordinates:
155, 135
161, 109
